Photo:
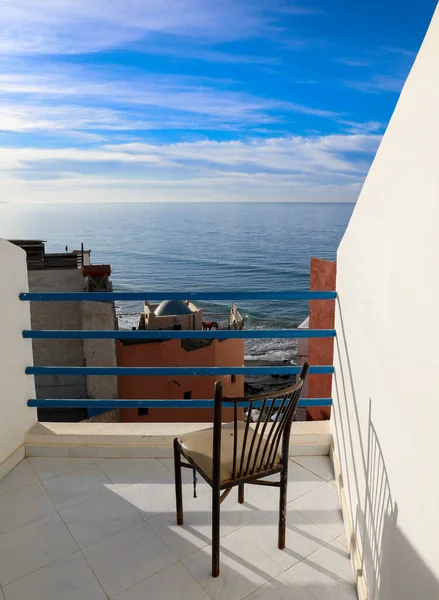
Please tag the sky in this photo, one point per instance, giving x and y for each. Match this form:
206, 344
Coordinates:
198, 100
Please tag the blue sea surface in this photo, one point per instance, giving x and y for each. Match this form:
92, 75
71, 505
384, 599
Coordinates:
197, 246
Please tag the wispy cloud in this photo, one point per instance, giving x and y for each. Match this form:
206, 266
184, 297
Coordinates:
81, 26
378, 83
400, 51
286, 166
194, 98
352, 62
70, 99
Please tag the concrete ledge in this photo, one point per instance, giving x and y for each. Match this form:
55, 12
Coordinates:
147, 440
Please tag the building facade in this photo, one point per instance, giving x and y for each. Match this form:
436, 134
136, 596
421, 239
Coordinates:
176, 315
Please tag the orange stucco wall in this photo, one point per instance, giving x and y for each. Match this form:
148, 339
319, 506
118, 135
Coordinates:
171, 354
321, 351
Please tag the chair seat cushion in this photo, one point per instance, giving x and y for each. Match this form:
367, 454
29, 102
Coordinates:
198, 446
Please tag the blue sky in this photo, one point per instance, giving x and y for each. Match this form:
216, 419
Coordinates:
204, 100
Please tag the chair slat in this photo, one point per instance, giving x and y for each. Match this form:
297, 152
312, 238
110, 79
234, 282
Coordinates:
272, 432
235, 437
244, 441
264, 427
254, 436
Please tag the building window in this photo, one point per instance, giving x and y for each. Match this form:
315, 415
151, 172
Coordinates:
142, 412
233, 378
187, 396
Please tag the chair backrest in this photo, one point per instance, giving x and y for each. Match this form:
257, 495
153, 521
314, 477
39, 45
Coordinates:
255, 449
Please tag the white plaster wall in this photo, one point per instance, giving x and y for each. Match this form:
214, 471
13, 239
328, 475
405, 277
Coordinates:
15, 352
386, 390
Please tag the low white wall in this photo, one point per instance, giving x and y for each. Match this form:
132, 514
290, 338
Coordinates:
385, 389
15, 353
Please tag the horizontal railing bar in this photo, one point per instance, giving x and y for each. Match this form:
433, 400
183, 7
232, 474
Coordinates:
182, 371
165, 334
111, 404
151, 295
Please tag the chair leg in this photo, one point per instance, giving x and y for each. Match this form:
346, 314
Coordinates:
283, 508
241, 493
178, 484
215, 531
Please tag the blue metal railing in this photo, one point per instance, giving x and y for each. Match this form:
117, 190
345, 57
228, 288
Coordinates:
111, 403
245, 334
229, 296
171, 334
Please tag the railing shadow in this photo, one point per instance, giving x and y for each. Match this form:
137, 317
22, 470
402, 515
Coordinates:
391, 566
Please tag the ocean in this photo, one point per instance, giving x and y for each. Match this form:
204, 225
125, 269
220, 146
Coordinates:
197, 246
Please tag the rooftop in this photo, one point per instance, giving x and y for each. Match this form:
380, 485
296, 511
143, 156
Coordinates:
172, 307
105, 528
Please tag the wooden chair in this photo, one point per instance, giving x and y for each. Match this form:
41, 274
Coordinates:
233, 454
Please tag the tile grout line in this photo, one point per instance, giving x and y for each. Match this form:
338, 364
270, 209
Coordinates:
149, 577
307, 557
56, 560
91, 568
193, 577
21, 486
319, 527
60, 474
316, 474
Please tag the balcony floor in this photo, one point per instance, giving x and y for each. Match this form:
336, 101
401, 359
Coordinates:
80, 528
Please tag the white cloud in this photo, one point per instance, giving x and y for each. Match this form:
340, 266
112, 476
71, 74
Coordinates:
84, 26
293, 168
379, 83
52, 98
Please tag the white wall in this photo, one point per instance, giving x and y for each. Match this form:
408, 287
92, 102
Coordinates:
386, 385
15, 352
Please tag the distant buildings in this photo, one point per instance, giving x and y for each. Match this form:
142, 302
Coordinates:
178, 315
70, 272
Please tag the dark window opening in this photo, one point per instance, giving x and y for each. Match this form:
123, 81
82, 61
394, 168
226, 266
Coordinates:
187, 395
233, 378
142, 412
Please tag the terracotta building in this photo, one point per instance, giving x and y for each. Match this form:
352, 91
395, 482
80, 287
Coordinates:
319, 351
176, 315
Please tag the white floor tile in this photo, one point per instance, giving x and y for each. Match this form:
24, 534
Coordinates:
94, 520
156, 495
168, 463
23, 506
173, 583
68, 579
195, 533
47, 467
322, 506
20, 476
152, 497
300, 481
77, 486
302, 538
122, 471
33, 546
326, 574
127, 558
320, 465
283, 587
261, 500
243, 568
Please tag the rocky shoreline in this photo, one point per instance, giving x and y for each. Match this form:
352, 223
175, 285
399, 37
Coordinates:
262, 384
